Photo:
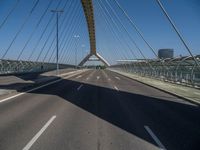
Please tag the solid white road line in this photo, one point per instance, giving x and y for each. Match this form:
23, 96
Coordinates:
155, 138
34, 139
14, 96
80, 87
197, 93
117, 78
116, 88
6, 99
98, 77
78, 77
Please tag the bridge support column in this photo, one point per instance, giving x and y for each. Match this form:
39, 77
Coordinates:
98, 56
89, 14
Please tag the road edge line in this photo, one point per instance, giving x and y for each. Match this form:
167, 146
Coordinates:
39, 87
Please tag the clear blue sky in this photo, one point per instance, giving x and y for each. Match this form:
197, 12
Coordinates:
146, 14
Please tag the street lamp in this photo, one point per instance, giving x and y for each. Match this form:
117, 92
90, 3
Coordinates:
57, 42
76, 37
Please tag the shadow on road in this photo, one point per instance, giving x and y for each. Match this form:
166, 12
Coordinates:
25, 81
176, 124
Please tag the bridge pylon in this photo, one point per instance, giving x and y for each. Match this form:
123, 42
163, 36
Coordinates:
100, 58
89, 14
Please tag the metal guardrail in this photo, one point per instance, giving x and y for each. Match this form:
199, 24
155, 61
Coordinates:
16, 67
181, 70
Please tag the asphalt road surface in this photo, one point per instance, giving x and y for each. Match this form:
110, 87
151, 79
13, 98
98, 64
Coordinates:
98, 110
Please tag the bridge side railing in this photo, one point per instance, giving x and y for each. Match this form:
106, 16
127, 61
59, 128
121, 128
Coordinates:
179, 70
15, 67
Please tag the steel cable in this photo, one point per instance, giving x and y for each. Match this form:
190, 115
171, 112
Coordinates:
21, 28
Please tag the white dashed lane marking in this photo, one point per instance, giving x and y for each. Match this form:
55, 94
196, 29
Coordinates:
78, 77
80, 87
155, 138
34, 139
117, 78
116, 88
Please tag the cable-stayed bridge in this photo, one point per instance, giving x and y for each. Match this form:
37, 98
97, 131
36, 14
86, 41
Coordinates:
97, 74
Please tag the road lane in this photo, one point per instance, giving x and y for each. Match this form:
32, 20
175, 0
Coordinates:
98, 116
61, 76
90, 122
34, 139
74, 128
23, 116
132, 86
125, 118
168, 116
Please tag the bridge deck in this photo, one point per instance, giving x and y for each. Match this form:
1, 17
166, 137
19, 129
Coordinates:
98, 109
190, 93
19, 82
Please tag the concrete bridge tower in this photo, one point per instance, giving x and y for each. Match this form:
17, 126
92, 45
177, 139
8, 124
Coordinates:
89, 14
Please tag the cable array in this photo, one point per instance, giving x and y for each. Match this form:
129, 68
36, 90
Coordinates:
40, 42
39, 45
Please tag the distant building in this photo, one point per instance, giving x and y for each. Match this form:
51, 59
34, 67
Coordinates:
165, 53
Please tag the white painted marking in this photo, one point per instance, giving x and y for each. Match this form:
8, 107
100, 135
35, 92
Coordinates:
197, 93
98, 77
78, 77
117, 78
61, 75
105, 74
34, 139
116, 88
155, 138
91, 74
80, 87
14, 96
109, 79
29, 90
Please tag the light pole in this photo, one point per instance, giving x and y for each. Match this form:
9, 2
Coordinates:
76, 37
57, 42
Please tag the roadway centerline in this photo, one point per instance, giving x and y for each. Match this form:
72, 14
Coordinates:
34, 139
117, 78
106, 76
155, 138
98, 77
79, 87
90, 75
